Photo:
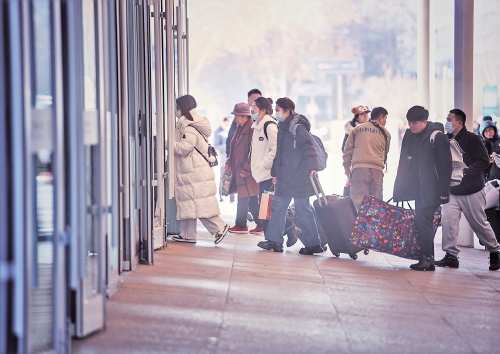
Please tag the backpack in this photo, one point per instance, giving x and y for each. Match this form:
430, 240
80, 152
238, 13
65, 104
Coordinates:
212, 153
265, 127
318, 146
456, 158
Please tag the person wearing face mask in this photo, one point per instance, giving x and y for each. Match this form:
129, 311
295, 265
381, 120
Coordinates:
195, 188
239, 163
424, 175
360, 117
264, 141
468, 197
490, 134
295, 161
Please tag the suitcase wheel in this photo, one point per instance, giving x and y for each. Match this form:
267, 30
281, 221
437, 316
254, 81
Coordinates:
337, 254
354, 256
366, 251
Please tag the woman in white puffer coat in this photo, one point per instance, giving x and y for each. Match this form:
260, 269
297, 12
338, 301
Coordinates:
195, 188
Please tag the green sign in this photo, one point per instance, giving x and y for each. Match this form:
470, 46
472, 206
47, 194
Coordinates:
490, 100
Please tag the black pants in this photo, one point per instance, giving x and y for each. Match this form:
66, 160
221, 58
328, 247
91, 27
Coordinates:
424, 216
244, 206
264, 186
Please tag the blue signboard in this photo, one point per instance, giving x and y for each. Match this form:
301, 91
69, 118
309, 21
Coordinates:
490, 100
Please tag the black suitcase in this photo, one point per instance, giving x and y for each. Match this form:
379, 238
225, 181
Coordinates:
493, 216
336, 215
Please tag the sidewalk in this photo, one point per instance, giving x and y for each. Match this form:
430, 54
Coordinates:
236, 298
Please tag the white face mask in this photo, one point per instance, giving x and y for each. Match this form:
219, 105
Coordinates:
178, 113
449, 127
279, 116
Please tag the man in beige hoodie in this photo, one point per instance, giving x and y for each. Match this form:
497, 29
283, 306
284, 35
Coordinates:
365, 155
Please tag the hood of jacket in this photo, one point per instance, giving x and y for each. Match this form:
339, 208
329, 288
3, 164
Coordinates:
486, 124
297, 119
432, 126
199, 122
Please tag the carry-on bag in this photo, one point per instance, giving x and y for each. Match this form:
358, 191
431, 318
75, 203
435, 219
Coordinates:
266, 200
293, 230
335, 216
387, 228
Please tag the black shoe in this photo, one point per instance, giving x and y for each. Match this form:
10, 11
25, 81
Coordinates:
426, 263
448, 260
494, 261
271, 245
313, 249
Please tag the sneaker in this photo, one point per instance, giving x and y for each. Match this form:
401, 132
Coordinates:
238, 230
448, 260
249, 217
257, 231
179, 238
494, 261
313, 249
271, 245
220, 235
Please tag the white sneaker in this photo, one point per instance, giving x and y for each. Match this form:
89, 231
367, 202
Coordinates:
220, 235
179, 238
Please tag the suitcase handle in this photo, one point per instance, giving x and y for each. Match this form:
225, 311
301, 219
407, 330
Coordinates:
317, 185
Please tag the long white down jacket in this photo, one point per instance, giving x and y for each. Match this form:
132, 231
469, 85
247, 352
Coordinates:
195, 180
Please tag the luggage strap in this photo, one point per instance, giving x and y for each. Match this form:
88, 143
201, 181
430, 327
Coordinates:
316, 185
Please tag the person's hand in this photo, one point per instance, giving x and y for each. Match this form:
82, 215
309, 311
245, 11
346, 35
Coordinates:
313, 173
275, 180
226, 167
347, 172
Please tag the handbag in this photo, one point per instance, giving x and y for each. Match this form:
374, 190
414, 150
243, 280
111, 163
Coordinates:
266, 200
225, 181
387, 228
212, 153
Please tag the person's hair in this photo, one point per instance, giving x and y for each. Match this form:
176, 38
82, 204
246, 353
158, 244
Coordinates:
378, 112
487, 118
252, 91
286, 103
264, 104
459, 115
185, 104
417, 114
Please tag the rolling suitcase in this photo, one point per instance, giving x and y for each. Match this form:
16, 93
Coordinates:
336, 215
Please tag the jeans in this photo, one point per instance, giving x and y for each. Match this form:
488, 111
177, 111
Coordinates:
264, 186
244, 205
305, 216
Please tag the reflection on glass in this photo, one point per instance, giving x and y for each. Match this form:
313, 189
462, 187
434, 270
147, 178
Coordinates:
91, 282
40, 314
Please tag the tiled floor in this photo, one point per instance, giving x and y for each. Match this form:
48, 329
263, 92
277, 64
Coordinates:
236, 298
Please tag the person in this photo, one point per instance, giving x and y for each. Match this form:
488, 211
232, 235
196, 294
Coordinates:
360, 117
264, 141
195, 188
468, 197
365, 155
490, 133
424, 175
220, 137
291, 171
239, 163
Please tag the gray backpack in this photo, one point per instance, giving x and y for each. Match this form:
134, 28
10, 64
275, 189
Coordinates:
456, 158
318, 146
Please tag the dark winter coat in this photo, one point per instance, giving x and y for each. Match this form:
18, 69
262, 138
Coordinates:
476, 158
239, 162
292, 166
494, 170
434, 168
230, 133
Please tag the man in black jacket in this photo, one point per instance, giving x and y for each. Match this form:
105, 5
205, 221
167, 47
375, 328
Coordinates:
424, 175
468, 197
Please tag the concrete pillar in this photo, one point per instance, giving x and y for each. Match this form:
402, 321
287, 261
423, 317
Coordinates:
463, 62
423, 48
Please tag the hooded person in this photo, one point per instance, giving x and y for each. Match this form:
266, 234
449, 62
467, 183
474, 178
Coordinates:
489, 132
